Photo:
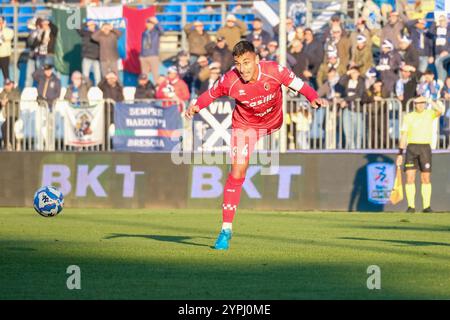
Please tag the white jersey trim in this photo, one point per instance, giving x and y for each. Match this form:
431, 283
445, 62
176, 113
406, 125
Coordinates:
296, 84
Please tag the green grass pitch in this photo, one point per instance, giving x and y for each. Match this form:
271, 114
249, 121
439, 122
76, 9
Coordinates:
167, 254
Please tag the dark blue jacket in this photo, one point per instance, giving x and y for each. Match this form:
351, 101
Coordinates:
150, 42
426, 48
441, 41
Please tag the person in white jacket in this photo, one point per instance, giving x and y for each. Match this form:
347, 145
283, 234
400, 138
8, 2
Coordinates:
6, 37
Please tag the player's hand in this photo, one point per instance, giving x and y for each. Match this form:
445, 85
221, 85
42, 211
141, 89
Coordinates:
319, 102
399, 160
193, 109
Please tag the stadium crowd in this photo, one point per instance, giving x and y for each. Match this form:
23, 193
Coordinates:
401, 59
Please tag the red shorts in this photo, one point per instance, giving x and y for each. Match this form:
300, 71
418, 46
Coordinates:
243, 143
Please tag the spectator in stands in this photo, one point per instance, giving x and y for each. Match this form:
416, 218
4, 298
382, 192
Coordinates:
90, 51
258, 30
371, 77
361, 30
378, 109
111, 87
145, 88
221, 53
214, 75
332, 62
108, 37
185, 69
388, 65
341, 43
232, 31
197, 38
290, 30
32, 45
315, 53
48, 85
9, 107
428, 87
174, 88
409, 52
393, 29
441, 33
353, 89
263, 52
77, 91
273, 51
149, 56
362, 56
112, 93
335, 23
421, 39
46, 43
299, 62
6, 37
405, 88
445, 92
257, 42
200, 72
328, 89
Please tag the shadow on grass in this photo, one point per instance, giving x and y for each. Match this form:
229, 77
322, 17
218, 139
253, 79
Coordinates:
176, 239
404, 242
404, 228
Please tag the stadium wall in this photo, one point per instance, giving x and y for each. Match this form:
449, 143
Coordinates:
305, 181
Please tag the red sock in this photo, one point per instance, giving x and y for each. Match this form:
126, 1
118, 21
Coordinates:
231, 197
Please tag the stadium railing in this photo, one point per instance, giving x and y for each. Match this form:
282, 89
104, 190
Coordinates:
363, 126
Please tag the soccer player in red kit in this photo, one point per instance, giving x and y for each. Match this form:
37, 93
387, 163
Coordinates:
256, 86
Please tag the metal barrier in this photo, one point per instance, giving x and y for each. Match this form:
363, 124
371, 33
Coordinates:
364, 126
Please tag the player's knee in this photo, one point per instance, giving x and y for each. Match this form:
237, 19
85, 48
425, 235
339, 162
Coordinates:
425, 178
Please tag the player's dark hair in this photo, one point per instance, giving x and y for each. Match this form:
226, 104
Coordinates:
242, 47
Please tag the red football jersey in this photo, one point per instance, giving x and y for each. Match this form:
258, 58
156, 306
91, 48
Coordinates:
258, 104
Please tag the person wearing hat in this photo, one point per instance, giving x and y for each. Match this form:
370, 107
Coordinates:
332, 61
6, 37
422, 40
393, 29
214, 75
108, 38
221, 53
362, 55
197, 39
46, 43
174, 89
77, 91
149, 56
388, 66
410, 55
258, 30
48, 85
90, 51
232, 31
361, 29
9, 107
441, 34
145, 88
405, 87
416, 137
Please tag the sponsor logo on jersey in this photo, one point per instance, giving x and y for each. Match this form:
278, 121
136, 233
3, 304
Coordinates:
242, 92
262, 114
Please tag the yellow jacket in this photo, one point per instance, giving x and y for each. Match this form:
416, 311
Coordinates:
6, 37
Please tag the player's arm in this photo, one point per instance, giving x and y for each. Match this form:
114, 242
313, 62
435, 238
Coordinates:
206, 98
290, 80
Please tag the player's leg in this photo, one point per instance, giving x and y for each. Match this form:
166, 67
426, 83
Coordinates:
242, 145
425, 177
411, 166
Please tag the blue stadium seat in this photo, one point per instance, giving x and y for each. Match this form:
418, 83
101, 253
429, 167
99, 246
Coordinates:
8, 13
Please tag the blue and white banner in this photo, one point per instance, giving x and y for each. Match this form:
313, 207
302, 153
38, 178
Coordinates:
113, 15
146, 127
380, 181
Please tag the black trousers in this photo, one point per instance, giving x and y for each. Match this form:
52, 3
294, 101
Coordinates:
4, 65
